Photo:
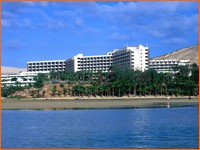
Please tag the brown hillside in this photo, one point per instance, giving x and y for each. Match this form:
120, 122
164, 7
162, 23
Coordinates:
47, 89
187, 53
33, 92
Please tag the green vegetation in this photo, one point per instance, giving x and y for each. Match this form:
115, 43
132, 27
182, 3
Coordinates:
117, 82
120, 82
39, 80
17, 97
24, 79
14, 79
54, 89
61, 85
6, 91
65, 91
43, 93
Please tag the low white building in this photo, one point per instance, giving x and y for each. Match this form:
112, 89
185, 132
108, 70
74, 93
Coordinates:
49, 65
23, 78
89, 63
167, 65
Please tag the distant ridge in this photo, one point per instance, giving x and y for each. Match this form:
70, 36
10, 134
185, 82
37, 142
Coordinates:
187, 53
11, 70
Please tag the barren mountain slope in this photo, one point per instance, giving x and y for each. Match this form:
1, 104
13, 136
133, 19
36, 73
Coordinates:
186, 53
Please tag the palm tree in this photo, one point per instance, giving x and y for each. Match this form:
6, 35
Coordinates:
69, 92
100, 90
43, 93
112, 85
65, 91
54, 89
119, 86
59, 93
38, 92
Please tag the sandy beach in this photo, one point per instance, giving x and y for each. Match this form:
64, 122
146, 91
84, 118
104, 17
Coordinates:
98, 103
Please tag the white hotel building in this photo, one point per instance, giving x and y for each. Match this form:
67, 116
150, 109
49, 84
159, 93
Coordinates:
49, 65
23, 78
136, 58
89, 63
167, 65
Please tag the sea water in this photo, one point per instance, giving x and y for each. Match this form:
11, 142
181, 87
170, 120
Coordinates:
105, 128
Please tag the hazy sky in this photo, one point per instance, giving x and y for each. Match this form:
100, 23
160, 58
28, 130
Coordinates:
47, 30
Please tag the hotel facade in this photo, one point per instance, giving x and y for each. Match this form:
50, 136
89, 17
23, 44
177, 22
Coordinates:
23, 78
136, 58
49, 65
89, 63
167, 65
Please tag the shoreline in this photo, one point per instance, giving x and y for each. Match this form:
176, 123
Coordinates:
104, 97
97, 103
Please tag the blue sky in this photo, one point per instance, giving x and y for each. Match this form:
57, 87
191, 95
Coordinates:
48, 30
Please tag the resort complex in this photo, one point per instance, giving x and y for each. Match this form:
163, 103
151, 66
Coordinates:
135, 58
167, 65
23, 78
